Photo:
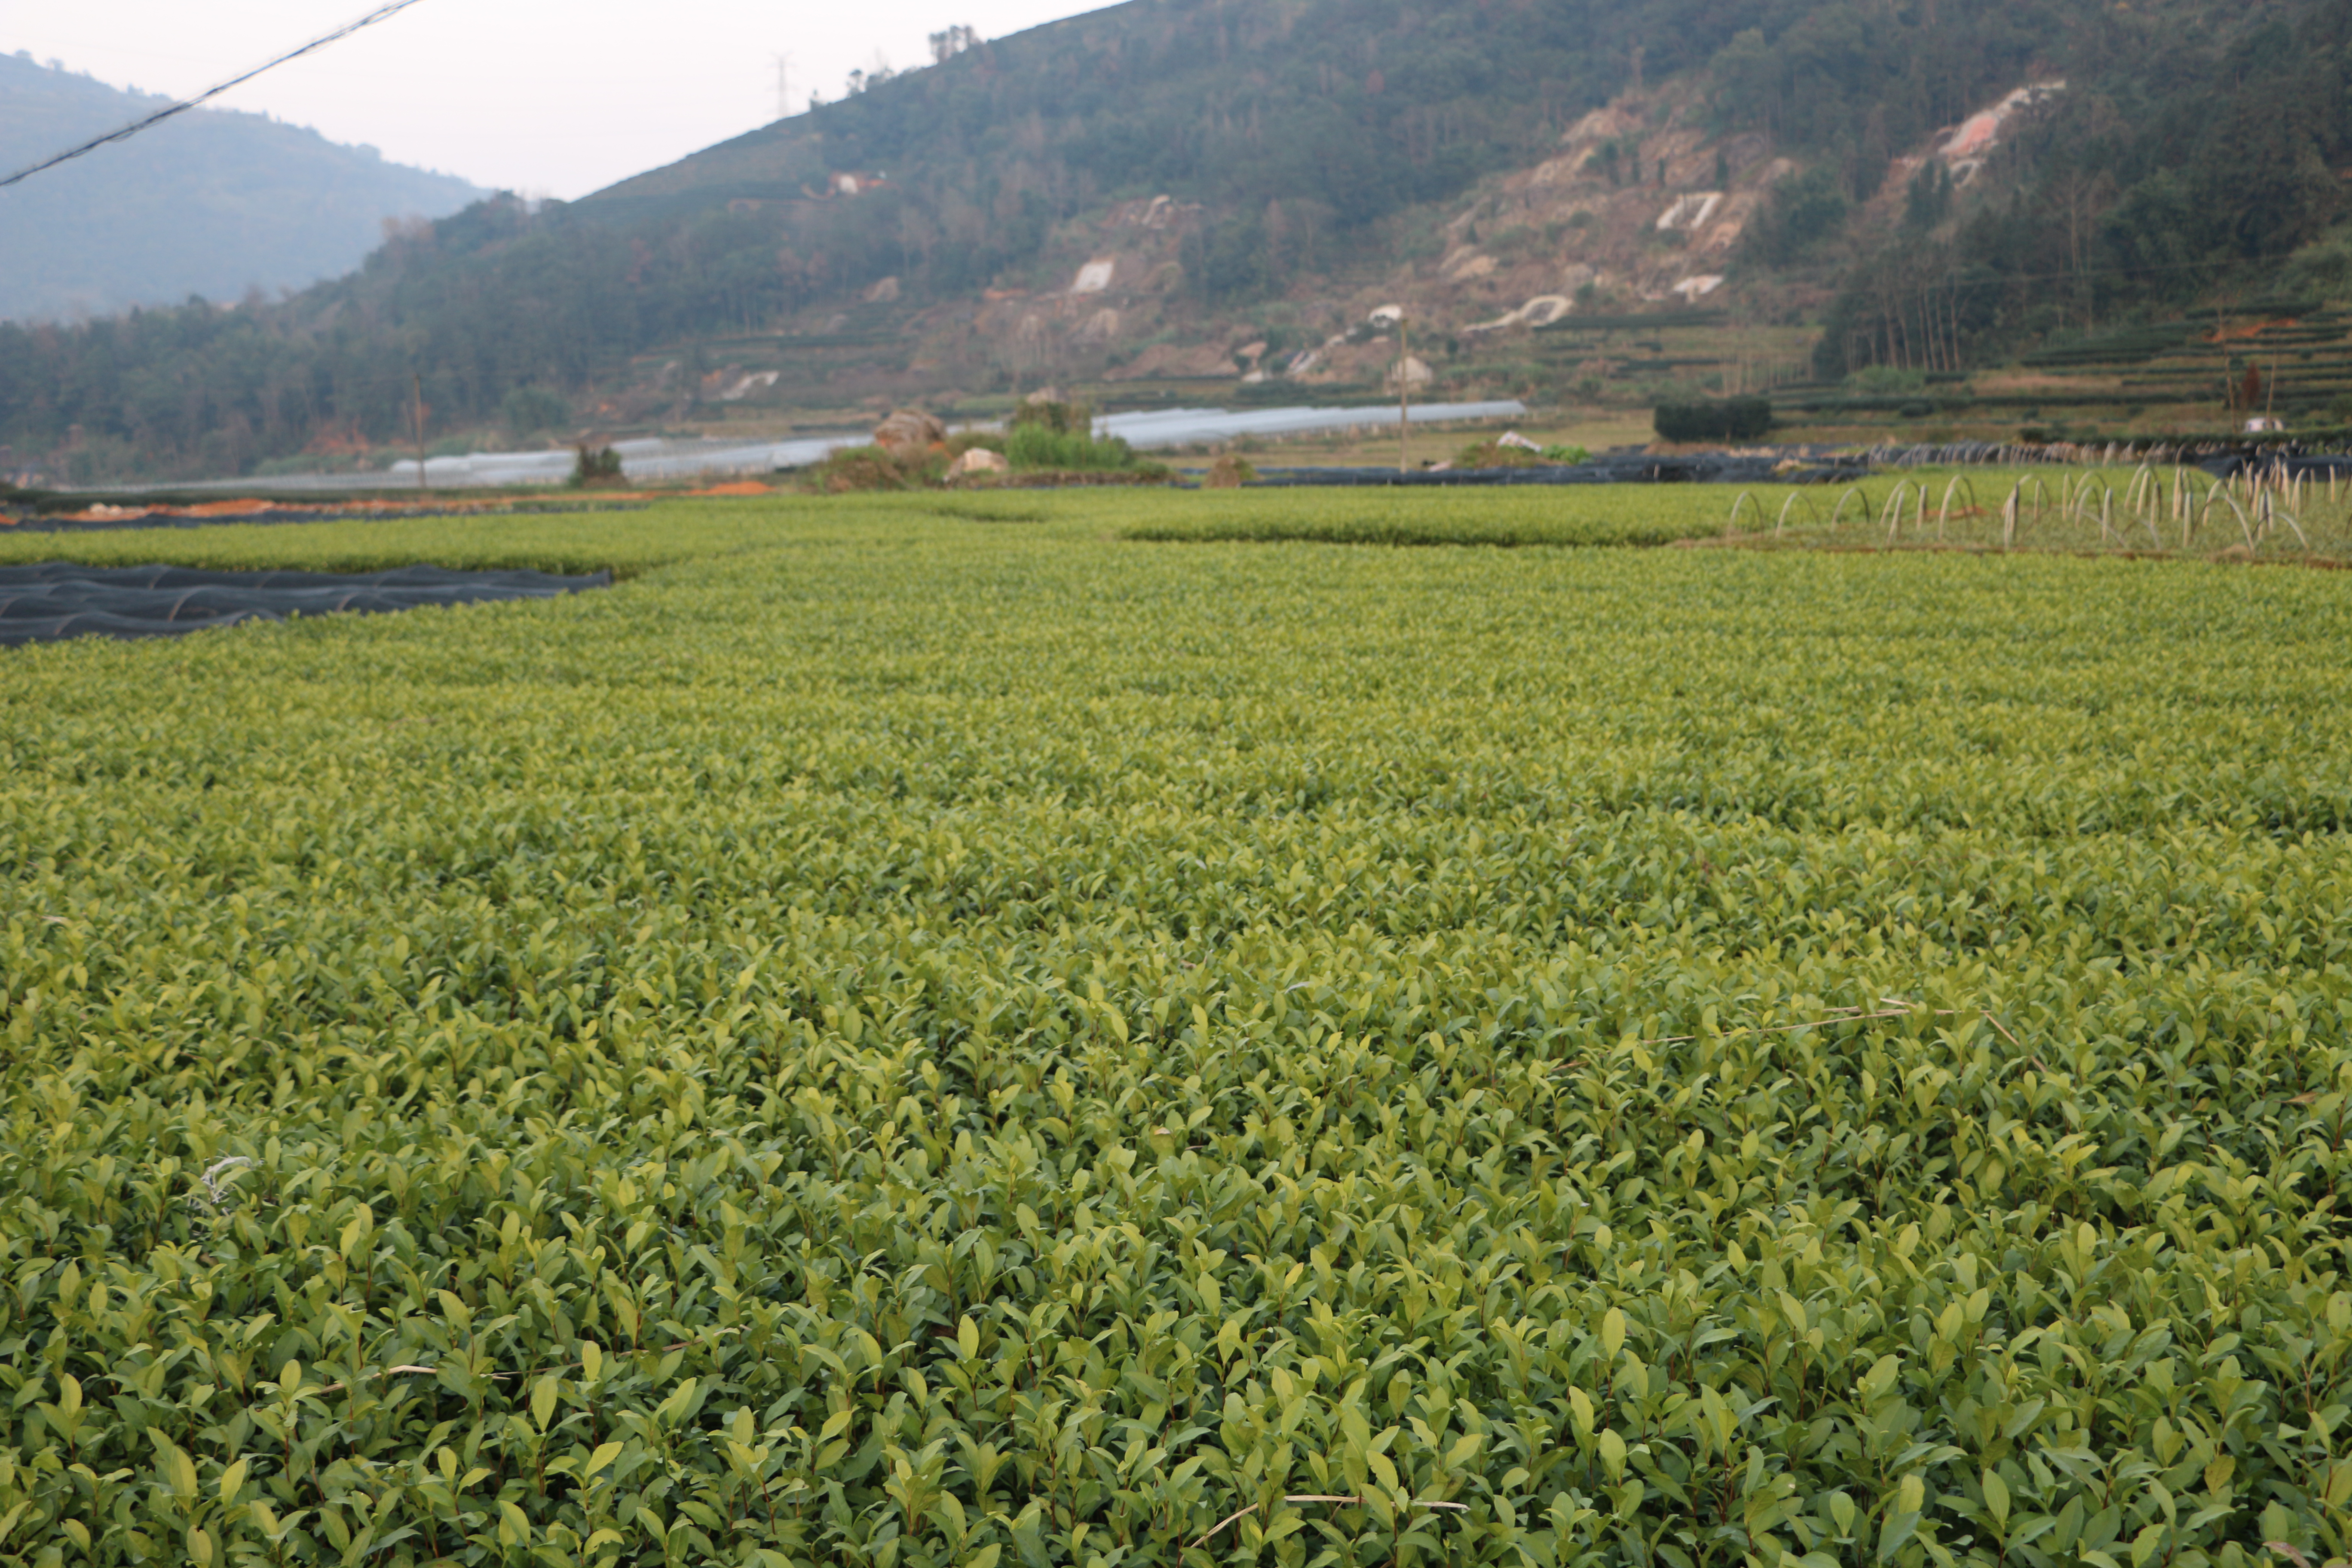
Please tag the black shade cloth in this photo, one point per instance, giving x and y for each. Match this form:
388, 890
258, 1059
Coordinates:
2278, 464
59, 599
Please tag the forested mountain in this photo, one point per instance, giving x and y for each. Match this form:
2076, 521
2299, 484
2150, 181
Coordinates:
1212, 167
2206, 153
210, 203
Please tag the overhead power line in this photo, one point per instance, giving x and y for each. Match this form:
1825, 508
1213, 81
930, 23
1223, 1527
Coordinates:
136, 126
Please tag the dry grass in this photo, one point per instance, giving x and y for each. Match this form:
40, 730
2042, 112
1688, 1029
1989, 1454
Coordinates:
2148, 510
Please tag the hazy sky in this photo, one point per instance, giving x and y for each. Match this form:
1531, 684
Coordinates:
547, 97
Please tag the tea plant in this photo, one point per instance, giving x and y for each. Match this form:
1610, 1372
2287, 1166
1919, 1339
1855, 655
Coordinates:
947, 1038
1568, 515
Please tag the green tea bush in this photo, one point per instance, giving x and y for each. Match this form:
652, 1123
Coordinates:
1534, 515
890, 1039
627, 541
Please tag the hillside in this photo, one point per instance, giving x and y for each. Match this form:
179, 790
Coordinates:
1178, 200
211, 203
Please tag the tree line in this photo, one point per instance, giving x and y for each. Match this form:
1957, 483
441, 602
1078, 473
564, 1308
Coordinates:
2193, 155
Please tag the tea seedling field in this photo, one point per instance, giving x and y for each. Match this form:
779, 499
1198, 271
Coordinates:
895, 1039
1503, 515
634, 541
2117, 509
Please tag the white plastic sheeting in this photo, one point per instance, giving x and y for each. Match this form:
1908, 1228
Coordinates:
1184, 426
650, 458
647, 458
1159, 429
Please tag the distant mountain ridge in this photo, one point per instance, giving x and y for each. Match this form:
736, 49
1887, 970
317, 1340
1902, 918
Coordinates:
212, 203
1173, 199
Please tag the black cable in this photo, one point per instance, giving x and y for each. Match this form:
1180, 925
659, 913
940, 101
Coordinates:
136, 126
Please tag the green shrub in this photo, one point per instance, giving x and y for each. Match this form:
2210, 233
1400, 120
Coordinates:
1886, 380
2323, 268
1039, 445
1491, 454
1062, 416
1726, 420
597, 465
850, 469
1048, 433
1495, 455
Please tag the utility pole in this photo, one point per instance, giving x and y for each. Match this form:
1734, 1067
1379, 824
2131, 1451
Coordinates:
2229, 362
783, 96
1404, 393
417, 377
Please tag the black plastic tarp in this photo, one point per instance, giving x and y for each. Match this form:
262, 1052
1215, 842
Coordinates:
59, 599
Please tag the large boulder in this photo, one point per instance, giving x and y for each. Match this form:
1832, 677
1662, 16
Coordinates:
1412, 370
979, 460
909, 433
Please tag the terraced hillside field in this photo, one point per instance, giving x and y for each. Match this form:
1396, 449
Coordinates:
916, 1039
2300, 352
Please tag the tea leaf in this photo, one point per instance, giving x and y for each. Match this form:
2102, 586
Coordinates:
883, 1041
